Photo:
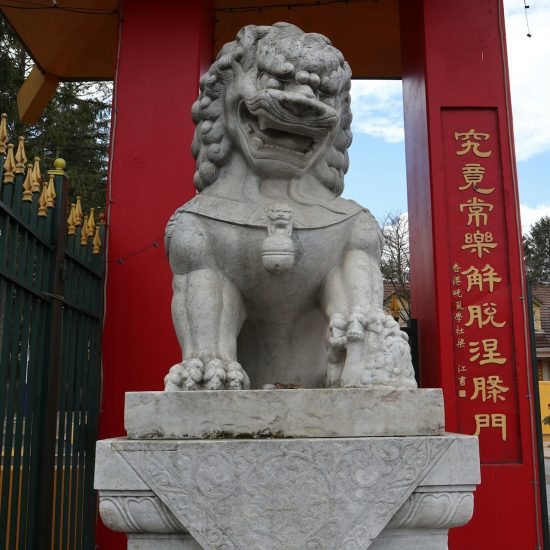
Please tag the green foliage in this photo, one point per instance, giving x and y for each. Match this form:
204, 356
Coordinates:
536, 246
74, 125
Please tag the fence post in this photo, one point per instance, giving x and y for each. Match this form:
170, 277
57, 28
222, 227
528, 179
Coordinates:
47, 445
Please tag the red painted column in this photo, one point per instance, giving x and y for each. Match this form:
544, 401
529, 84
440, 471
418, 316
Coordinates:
455, 81
164, 48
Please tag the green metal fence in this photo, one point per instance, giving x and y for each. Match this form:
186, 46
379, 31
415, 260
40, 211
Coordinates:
51, 307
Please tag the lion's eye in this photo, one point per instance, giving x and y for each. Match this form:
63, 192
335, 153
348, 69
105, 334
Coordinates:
326, 98
274, 83
267, 81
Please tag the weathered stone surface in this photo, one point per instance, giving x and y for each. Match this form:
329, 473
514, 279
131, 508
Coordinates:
344, 412
277, 278
162, 542
293, 494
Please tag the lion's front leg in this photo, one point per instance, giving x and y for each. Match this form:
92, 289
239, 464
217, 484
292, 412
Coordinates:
366, 347
352, 295
207, 311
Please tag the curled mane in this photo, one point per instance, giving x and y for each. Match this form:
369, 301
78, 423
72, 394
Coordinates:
211, 146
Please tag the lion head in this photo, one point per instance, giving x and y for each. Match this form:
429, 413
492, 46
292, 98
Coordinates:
282, 97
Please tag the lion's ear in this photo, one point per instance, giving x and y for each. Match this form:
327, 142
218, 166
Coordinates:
246, 41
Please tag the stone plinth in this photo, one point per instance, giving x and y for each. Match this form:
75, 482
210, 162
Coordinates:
353, 412
350, 489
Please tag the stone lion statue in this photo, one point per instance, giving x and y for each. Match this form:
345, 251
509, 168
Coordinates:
276, 278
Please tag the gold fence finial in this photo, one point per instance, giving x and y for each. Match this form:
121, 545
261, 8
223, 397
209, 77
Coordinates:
27, 185
20, 156
3, 133
42, 210
50, 193
96, 242
78, 212
59, 166
84, 232
91, 223
36, 177
71, 227
9, 165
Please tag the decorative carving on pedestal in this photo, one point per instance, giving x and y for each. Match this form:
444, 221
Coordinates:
317, 494
273, 494
136, 512
435, 510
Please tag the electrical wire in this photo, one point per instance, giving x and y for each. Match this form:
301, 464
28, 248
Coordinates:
35, 6
154, 244
526, 7
265, 7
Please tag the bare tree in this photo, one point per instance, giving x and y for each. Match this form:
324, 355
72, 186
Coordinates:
395, 263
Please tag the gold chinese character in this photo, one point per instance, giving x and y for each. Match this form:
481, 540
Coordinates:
456, 268
490, 353
489, 388
475, 208
479, 242
459, 330
457, 293
458, 316
473, 143
460, 343
477, 278
458, 306
462, 380
473, 175
456, 281
476, 315
491, 421
461, 368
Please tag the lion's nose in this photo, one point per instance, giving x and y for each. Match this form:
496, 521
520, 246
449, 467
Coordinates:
301, 106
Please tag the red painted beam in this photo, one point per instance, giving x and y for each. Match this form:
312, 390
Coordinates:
164, 48
455, 78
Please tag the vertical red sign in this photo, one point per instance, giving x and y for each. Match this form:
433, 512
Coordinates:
483, 351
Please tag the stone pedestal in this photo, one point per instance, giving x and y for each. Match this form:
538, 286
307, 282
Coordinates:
286, 469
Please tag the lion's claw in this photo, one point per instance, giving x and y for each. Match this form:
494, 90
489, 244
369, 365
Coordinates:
237, 379
192, 374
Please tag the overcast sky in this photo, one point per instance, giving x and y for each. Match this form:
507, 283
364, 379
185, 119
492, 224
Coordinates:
377, 174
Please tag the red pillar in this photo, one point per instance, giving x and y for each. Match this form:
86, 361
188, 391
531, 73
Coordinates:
164, 48
455, 80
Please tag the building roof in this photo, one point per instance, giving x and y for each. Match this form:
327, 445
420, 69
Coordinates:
73, 42
541, 293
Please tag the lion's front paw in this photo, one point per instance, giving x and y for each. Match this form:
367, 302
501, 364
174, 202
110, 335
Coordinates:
237, 379
221, 375
207, 374
186, 375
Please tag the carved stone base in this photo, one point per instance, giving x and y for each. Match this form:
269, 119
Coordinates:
342, 412
274, 494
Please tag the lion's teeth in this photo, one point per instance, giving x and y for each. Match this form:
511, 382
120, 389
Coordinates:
257, 142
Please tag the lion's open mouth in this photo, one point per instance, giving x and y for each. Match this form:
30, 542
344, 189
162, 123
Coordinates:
267, 135
287, 127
